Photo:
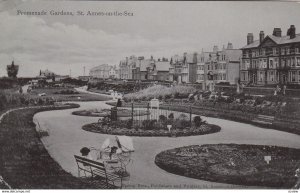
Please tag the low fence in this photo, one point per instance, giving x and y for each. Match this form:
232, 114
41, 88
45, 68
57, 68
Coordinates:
141, 113
288, 124
257, 90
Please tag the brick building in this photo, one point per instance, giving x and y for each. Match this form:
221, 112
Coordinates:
270, 60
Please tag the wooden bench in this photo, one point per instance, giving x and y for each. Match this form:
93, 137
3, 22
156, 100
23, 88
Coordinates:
97, 169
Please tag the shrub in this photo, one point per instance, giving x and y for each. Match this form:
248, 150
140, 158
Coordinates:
149, 124
184, 124
183, 116
180, 124
162, 118
129, 124
106, 120
197, 121
171, 116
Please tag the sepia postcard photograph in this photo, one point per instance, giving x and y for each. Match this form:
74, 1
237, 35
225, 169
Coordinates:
193, 95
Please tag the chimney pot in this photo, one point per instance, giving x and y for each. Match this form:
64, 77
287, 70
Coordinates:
277, 32
250, 38
291, 32
261, 36
229, 46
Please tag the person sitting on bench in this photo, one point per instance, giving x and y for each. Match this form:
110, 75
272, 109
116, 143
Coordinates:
85, 153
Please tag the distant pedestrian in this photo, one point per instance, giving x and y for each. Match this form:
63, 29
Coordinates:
275, 92
283, 90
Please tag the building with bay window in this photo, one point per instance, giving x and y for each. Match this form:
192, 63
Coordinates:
222, 66
270, 60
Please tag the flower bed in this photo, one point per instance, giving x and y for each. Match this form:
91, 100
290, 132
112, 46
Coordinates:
66, 92
107, 112
233, 164
124, 128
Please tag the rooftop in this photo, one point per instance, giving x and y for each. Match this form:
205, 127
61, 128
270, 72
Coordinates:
278, 40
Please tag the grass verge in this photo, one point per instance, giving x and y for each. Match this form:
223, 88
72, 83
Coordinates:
24, 161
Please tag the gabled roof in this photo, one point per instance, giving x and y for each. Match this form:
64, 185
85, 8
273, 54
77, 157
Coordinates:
254, 44
285, 39
278, 40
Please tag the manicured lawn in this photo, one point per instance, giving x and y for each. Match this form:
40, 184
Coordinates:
56, 94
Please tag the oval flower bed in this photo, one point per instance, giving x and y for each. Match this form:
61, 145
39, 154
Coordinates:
107, 112
137, 131
233, 164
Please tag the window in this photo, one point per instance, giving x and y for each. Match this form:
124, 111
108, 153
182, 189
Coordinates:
244, 78
271, 63
261, 76
287, 50
224, 76
275, 51
293, 61
298, 61
271, 76
293, 78
297, 50
298, 76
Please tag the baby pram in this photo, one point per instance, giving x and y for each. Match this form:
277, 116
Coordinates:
116, 153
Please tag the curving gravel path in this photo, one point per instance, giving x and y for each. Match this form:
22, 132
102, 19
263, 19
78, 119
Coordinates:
67, 138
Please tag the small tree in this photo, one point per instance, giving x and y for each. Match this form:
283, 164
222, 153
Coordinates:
197, 121
171, 116
162, 118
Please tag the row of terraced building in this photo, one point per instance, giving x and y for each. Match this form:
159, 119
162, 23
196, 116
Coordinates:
270, 60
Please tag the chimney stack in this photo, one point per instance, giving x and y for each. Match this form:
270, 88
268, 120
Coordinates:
261, 36
250, 38
277, 32
291, 32
215, 49
229, 46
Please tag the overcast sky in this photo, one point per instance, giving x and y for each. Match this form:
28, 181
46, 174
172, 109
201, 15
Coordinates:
161, 29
